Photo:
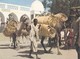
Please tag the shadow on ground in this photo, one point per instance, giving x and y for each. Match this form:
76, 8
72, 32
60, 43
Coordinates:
40, 52
67, 48
27, 52
4, 46
26, 56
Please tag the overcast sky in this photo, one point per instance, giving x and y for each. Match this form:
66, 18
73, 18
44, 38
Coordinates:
18, 2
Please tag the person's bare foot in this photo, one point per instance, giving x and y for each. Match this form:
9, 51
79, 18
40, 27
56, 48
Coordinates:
45, 51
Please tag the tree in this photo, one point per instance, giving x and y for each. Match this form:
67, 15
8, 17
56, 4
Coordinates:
44, 3
56, 6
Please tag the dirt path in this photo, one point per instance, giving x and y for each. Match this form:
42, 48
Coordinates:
22, 53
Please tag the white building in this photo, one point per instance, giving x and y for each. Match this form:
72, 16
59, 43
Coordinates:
37, 7
17, 11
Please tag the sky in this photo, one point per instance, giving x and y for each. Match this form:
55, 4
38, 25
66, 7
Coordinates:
18, 2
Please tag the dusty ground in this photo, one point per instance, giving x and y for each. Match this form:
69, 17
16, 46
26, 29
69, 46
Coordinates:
22, 53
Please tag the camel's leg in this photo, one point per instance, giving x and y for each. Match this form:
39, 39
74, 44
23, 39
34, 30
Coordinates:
14, 40
10, 42
18, 42
31, 50
59, 53
24, 39
42, 40
22, 36
51, 46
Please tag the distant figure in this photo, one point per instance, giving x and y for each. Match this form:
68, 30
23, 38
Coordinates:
71, 38
34, 37
62, 37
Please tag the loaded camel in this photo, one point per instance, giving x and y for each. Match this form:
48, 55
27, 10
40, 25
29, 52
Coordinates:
18, 28
50, 26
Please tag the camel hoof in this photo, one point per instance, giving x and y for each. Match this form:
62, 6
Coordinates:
38, 58
59, 53
17, 48
30, 56
50, 51
46, 52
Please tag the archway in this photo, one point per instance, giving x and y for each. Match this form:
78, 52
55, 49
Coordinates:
2, 21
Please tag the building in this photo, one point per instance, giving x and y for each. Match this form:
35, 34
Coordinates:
17, 11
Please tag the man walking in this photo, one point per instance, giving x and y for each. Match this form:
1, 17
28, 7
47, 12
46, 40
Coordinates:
34, 37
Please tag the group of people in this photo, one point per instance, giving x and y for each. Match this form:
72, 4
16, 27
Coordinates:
72, 37
67, 37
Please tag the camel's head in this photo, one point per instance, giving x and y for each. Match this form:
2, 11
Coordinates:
24, 18
62, 17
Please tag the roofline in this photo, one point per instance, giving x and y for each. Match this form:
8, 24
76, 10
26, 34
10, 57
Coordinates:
14, 4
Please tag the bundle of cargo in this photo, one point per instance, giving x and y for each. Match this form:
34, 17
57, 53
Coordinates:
62, 17
47, 31
52, 20
10, 28
43, 19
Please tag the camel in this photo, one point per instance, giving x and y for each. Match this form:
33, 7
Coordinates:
14, 26
53, 21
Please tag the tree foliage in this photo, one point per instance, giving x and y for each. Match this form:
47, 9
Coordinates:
56, 6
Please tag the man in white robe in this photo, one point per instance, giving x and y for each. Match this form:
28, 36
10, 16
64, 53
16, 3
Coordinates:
34, 37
